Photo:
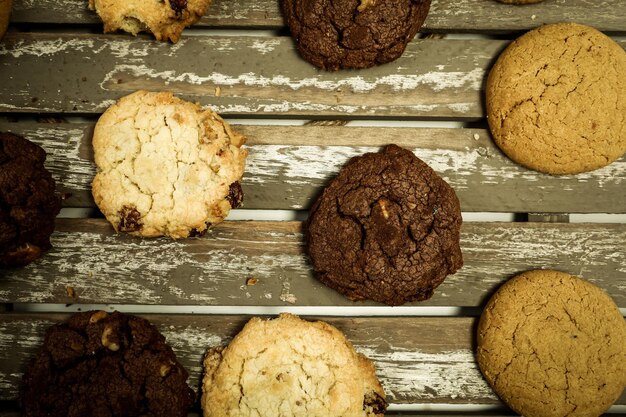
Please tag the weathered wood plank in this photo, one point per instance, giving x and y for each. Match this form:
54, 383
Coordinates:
295, 162
256, 75
103, 267
445, 15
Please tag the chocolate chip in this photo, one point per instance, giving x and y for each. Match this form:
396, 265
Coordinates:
235, 195
374, 401
129, 219
178, 5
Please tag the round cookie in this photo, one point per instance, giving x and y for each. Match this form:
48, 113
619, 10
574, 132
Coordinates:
28, 202
166, 19
385, 229
5, 14
334, 34
553, 345
99, 364
165, 166
556, 99
297, 367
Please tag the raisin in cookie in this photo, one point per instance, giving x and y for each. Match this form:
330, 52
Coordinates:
165, 166
385, 229
556, 99
99, 364
334, 34
166, 19
553, 345
288, 366
28, 202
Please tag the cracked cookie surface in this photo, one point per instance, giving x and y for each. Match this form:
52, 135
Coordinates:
165, 19
28, 202
165, 166
99, 364
289, 367
385, 229
556, 99
553, 345
334, 34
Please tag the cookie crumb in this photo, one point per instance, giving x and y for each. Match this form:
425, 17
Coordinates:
218, 91
251, 281
533, 17
476, 136
70, 292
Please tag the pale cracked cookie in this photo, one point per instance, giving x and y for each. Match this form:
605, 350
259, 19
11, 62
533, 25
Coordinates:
556, 99
166, 19
553, 345
290, 367
165, 166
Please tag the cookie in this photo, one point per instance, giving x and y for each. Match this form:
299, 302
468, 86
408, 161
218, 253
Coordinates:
28, 202
5, 14
290, 367
99, 364
556, 99
165, 166
165, 19
353, 33
385, 229
553, 345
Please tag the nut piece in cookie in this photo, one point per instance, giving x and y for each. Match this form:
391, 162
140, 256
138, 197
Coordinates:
298, 367
166, 19
556, 99
353, 33
553, 345
99, 364
165, 167
28, 202
385, 229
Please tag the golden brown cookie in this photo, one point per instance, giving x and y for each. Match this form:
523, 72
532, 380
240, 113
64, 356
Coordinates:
166, 19
5, 14
165, 166
553, 345
556, 99
297, 367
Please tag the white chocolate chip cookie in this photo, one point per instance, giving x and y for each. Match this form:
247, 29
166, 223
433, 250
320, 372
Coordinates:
166, 19
165, 166
290, 367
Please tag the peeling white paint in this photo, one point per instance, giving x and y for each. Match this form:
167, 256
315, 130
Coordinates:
265, 46
436, 80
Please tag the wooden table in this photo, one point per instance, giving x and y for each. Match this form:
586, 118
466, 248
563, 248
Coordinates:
58, 73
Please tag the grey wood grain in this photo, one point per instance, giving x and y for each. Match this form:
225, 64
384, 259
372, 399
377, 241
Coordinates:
106, 268
445, 15
58, 73
295, 163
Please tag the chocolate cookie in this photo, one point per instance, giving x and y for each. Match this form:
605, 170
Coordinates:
385, 229
165, 166
553, 345
28, 203
166, 19
333, 34
99, 364
290, 367
5, 14
556, 99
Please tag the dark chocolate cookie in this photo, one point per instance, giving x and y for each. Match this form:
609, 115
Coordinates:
385, 229
109, 365
28, 203
333, 34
